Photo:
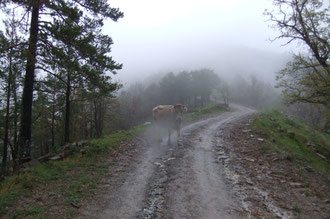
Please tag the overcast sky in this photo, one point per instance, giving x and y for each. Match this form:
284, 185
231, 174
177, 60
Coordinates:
173, 35
159, 36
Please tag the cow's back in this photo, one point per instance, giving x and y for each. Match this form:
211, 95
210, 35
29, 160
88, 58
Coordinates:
162, 112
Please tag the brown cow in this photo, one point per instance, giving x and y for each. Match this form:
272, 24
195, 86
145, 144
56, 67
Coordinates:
169, 116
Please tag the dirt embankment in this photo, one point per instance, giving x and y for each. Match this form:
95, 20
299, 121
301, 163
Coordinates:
270, 184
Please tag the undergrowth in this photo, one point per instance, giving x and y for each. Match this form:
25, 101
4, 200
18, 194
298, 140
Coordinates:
285, 134
71, 178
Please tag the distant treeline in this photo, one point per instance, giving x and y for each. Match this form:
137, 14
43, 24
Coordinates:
194, 88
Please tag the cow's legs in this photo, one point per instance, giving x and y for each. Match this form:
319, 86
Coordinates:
169, 137
159, 137
179, 137
157, 132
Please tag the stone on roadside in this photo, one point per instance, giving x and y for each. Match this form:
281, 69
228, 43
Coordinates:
247, 130
261, 139
293, 184
223, 157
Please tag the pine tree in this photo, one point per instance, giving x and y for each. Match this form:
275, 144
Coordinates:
69, 31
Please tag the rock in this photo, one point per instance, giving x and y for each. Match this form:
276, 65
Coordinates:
67, 146
248, 159
147, 211
321, 156
81, 143
309, 169
310, 144
147, 123
261, 139
43, 158
293, 184
159, 164
74, 205
51, 194
57, 157
249, 182
251, 136
247, 130
223, 157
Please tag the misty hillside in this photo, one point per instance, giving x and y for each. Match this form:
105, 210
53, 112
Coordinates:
225, 61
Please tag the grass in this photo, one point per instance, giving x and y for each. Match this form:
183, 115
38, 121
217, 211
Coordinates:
285, 134
72, 178
297, 209
199, 112
29, 211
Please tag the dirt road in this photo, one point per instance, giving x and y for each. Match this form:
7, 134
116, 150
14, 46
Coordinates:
160, 181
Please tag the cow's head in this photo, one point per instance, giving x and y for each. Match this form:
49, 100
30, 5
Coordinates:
179, 109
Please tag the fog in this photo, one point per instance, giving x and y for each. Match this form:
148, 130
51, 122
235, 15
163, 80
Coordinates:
229, 37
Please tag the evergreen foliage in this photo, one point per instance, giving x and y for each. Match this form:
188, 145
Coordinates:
67, 59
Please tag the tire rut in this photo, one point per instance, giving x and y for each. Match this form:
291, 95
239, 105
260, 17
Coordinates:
188, 183
174, 181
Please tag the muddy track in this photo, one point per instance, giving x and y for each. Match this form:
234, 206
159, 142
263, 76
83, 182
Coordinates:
186, 181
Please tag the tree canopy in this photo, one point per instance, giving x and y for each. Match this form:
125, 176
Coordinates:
306, 78
64, 39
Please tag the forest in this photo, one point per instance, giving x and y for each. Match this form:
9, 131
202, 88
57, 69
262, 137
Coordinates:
56, 74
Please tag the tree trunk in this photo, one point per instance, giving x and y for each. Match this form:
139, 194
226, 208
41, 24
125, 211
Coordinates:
102, 114
27, 98
5, 142
67, 110
53, 126
98, 117
327, 118
95, 118
14, 150
53, 117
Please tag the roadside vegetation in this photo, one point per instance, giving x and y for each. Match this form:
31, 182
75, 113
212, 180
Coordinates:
65, 182
296, 141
